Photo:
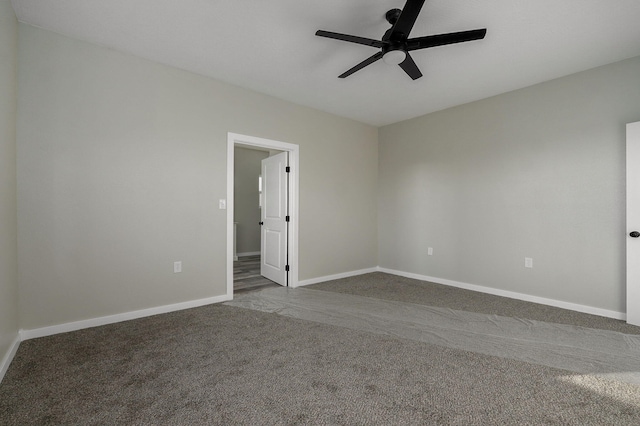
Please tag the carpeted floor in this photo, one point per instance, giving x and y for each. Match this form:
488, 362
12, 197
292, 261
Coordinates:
225, 365
392, 287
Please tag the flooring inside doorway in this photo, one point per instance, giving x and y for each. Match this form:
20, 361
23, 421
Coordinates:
246, 275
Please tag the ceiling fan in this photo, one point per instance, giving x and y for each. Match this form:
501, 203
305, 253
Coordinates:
396, 44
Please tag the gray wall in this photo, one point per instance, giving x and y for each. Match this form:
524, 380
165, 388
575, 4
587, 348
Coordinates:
8, 222
121, 163
247, 168
537, 172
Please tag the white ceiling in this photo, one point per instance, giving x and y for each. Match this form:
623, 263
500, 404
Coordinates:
270, 46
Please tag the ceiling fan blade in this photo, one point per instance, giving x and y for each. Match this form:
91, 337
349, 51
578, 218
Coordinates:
361, 65
405, 22
352, 39
442, 39
410, 67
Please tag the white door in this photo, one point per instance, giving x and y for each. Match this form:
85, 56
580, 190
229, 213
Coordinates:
633, 223
274, 218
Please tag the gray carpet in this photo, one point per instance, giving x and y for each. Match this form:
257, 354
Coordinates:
224, 365
392, 287
582, 350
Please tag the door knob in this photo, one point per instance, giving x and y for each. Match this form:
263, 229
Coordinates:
634, 234
262, 223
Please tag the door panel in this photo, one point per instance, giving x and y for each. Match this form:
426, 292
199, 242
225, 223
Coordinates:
273, 218
633, 223
271, 255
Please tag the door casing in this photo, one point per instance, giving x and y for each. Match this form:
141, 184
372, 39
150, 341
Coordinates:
633, 223
235, 139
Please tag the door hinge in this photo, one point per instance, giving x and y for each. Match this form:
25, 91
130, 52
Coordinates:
287, 169
287, 218
286, 268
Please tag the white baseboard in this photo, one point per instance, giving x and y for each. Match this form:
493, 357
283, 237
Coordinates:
249, 253
336, 276
110, 319
512, 295
95, 322
8, 357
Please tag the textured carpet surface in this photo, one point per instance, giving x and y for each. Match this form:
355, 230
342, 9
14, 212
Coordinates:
392, 287
582, 350
225, 365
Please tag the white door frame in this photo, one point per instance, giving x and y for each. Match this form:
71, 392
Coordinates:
633, 210
234, 139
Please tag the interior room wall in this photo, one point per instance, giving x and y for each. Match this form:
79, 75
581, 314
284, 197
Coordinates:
121, 162
8, 222
537, 172
247, 169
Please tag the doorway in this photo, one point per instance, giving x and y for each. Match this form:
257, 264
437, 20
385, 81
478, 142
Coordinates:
247, 216
291, 152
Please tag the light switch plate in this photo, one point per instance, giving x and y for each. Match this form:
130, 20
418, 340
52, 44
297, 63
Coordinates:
222, 204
